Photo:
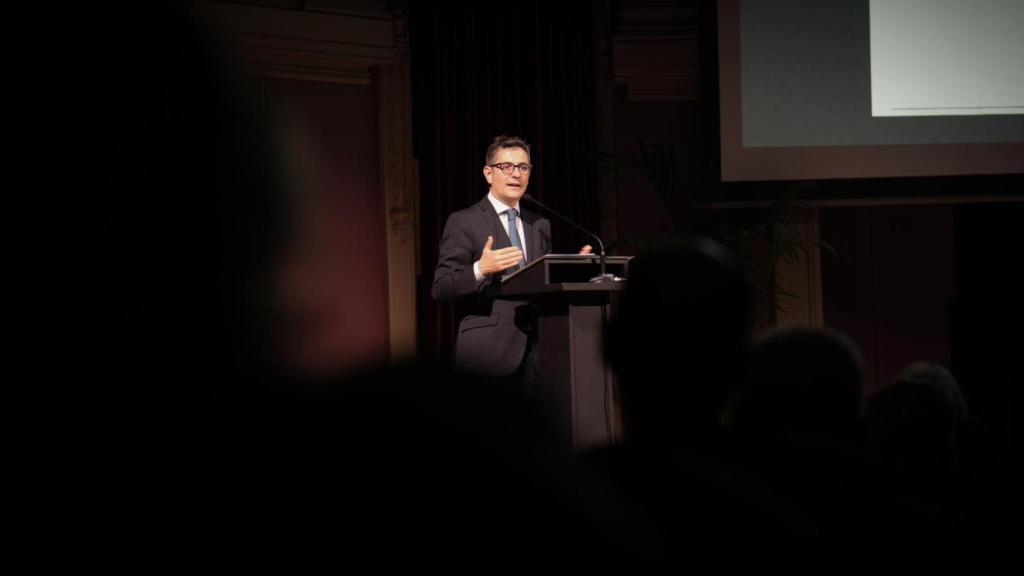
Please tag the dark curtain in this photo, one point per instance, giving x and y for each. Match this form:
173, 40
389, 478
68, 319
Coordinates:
487, 69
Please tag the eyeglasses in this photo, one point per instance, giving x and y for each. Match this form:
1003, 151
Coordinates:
507, 168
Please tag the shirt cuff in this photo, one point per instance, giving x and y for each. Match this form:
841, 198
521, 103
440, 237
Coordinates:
476, 272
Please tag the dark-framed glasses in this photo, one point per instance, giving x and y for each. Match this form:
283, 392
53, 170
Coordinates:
507, 168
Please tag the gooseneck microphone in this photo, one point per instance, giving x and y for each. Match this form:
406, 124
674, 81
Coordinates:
603, 276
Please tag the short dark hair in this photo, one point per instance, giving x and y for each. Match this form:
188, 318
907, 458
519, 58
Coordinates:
504, 141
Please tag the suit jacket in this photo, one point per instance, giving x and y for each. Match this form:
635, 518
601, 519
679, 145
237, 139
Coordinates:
489, 341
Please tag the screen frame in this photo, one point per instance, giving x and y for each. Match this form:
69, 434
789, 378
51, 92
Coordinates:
942, 172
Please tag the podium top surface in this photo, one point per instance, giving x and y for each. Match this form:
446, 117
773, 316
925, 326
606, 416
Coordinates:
553, 273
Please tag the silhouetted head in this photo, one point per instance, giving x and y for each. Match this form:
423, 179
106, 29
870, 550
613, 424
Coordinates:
679, 338
912, 425
801, 380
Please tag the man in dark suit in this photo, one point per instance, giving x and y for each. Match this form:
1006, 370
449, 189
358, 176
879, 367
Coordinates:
492, 238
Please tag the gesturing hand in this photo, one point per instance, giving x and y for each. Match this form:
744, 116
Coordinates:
492, 261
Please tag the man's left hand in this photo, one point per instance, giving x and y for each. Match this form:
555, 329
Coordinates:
586, 249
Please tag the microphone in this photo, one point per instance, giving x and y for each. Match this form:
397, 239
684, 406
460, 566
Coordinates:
603, 276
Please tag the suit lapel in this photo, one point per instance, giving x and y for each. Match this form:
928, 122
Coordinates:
493, 223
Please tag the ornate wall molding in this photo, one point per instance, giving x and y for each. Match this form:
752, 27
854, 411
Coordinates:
350, 42
655, 50
399, 182
317, 46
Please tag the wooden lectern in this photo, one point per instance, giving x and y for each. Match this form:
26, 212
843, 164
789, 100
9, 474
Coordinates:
576, 386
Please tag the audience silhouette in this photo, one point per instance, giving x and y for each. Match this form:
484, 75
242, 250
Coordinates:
180, 432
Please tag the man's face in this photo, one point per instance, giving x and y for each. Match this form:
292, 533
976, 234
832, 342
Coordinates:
508, 188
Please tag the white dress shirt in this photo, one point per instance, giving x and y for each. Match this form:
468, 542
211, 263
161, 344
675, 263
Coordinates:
502, 211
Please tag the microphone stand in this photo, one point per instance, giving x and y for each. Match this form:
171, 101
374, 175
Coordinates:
604, 276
